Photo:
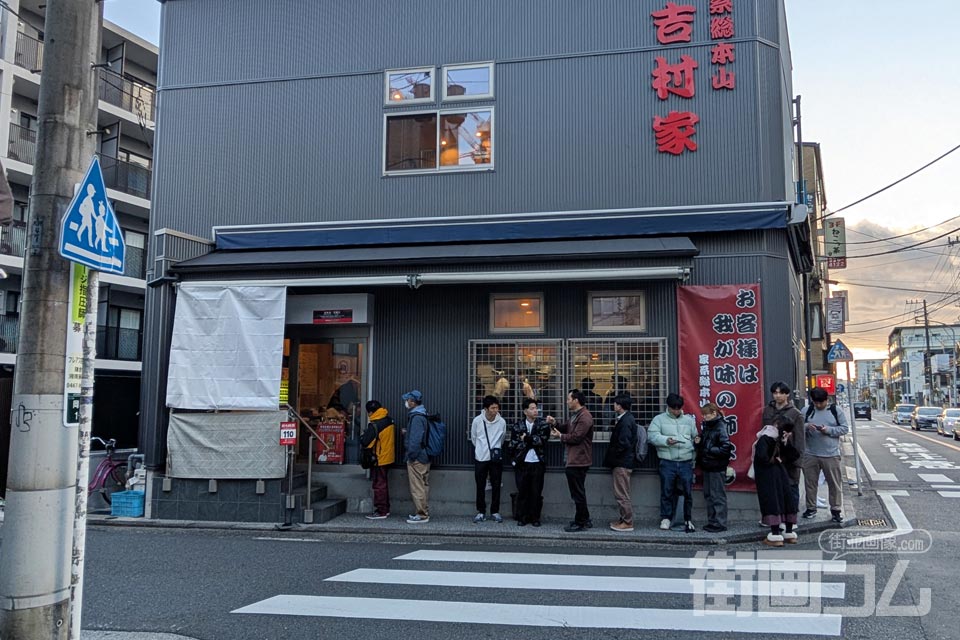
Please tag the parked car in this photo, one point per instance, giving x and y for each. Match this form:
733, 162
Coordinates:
924, 417
862, 410
947, 423
902, 413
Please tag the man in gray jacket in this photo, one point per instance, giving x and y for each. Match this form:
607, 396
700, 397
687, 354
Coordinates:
824, 425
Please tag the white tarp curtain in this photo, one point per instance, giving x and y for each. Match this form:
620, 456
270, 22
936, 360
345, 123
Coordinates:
234, 445
227, 347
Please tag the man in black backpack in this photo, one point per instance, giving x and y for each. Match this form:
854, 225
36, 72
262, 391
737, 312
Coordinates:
621, 459
824, 425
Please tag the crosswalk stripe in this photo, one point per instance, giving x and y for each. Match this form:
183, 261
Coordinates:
949, 494
773, 561
805, 589
934, 477
772, 622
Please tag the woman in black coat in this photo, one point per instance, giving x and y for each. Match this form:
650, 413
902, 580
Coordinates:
773, 451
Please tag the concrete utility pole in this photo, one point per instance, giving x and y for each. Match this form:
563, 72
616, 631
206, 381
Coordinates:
927, 366
35, 559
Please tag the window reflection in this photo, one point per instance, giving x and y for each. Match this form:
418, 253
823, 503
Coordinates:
404, 86
466, 139
411, 142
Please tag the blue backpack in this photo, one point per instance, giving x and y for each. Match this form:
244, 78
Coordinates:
434, 435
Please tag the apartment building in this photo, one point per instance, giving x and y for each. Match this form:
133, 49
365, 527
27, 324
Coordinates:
127, 73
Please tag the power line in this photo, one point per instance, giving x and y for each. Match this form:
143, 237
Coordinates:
892, 184
909, 246
880, 286
902, 235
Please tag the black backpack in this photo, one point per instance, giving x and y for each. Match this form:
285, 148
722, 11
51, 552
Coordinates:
833, 409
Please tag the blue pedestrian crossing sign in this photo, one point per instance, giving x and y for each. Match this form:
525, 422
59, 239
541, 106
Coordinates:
839, 353
89, 233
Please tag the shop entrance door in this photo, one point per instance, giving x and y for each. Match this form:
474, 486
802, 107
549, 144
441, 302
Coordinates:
328, 379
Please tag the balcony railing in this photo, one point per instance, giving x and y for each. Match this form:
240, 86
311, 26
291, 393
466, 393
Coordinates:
130, 95
13, 239
29, 52
114, 343
9, 328
135, 262
23, 144
127, 177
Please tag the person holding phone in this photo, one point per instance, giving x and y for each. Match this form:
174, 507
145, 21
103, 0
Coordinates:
824, 426
673, 434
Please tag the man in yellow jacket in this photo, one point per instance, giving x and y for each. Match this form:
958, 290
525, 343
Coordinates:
380, 436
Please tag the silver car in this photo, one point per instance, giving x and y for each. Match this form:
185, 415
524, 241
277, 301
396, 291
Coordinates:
947, 423
902, 413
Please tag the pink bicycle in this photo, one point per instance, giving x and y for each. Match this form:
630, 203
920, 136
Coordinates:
111, 475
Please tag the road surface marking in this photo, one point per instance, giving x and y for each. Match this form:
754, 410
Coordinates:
934, 477
903, 525
872, 471
555, 582
945, 486
764, 560
949, 494
528, 615
940, 442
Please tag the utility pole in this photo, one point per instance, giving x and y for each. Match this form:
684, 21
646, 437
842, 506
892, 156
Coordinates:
35, 560
801, 190
927, 367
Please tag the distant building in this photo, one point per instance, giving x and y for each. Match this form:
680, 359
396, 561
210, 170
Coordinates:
125, 129
908, 379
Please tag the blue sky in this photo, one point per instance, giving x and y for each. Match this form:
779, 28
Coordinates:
881, 94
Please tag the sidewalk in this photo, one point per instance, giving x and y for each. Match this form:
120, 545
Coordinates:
463, 527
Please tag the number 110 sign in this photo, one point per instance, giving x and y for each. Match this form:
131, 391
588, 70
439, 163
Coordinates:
288, 433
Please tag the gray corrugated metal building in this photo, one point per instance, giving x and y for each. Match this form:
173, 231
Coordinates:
487, 175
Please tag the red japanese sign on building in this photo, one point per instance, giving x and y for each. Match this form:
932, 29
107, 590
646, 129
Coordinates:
674, 23
721, 361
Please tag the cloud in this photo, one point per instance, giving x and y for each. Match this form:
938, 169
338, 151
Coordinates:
930, 272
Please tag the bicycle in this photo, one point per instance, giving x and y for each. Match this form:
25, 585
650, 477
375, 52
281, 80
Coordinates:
111, 475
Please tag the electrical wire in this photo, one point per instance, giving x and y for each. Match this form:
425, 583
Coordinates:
892, 184
910, 246
902, 235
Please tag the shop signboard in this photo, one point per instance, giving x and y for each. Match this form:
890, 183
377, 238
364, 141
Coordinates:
828, 383
288, 434
721, 361
329, 448
332, 316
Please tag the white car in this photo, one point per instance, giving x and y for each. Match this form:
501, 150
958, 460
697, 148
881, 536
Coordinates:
947, 423
902, 413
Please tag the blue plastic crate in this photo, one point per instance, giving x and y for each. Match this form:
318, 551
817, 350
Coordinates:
127, 504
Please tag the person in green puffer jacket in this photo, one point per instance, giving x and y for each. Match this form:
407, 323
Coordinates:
673, 434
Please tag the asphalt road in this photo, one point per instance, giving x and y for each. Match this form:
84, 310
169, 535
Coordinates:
193, 583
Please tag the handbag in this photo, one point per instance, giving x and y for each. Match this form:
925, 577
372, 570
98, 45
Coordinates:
496, 453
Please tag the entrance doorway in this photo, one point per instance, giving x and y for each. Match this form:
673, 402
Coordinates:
328, 381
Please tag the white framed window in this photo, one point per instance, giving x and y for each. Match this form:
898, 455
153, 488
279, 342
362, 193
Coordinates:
409, 86
467, 81
616, 311
438, 140
516, 313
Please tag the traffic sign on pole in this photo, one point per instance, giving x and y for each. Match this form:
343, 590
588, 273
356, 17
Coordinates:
89, 232
839, 353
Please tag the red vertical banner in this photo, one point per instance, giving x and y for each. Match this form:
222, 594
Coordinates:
721, 360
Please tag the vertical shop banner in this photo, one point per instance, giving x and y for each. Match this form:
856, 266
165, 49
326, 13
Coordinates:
721, 361
73, 372
329, 448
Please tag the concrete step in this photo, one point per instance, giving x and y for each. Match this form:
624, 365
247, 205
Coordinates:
322, 511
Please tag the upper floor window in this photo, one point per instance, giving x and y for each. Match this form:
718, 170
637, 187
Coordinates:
406, 86
444, 140
617, 311
468, 81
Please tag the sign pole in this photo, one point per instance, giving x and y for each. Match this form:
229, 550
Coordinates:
88, 311
853, 429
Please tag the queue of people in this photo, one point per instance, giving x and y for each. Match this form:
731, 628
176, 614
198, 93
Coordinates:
788, 444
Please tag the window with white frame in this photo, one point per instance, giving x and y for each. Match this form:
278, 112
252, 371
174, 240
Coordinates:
516, 313
616, 311
439, 140
406, 86
468, 81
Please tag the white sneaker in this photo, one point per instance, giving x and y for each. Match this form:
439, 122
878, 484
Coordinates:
418, 519
665, 524
479, 518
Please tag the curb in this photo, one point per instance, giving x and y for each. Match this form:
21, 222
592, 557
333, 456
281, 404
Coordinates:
499, 534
